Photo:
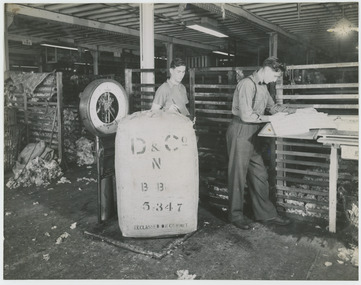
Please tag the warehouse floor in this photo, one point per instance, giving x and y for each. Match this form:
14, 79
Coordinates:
52, 233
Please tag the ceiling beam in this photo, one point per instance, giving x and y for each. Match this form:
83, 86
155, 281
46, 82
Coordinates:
81, 8
62, 41
37, 40
239, 13
16, 9
55, 6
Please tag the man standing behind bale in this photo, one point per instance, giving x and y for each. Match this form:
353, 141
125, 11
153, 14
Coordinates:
172, 94
250, 100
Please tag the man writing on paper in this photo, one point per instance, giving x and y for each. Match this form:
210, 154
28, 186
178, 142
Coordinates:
172, 94
250, 100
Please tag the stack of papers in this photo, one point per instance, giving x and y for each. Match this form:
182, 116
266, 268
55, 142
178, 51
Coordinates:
300, 123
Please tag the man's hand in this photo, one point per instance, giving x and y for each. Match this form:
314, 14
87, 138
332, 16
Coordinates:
264, 119
174, 108
278, 116
156, 106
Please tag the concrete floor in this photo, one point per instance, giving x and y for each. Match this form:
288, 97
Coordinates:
42, 242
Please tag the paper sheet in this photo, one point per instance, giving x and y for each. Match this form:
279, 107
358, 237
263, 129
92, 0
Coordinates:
300, 123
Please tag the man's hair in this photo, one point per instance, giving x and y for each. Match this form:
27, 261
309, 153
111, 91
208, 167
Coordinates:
177, 62
274, 63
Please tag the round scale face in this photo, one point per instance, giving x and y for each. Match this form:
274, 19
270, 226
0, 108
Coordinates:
106, 105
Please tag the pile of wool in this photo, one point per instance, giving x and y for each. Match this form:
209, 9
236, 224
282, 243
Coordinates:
9, 92
348, 255
69, 118
85, 151
185, 275
304, 204
72, 133
70, 149
352, 215
38, 172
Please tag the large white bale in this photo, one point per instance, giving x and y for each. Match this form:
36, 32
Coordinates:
156, 169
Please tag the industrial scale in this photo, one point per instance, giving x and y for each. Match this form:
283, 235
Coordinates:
147, 163
102, 104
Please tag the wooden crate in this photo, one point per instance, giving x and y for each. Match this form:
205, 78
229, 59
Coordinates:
141, 95
300, 184
12, 137
10, 116
41, 111
302, 181
211, 95
302, 177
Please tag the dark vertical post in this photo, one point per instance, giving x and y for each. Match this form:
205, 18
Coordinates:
26, 117
99, 177
192, 92
59, 88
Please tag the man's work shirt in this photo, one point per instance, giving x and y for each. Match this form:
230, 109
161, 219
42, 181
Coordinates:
169, 94
251, 98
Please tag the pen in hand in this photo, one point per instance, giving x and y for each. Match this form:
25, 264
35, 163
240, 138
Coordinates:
175, 105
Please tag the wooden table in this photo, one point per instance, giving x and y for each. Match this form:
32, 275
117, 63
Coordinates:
335, 139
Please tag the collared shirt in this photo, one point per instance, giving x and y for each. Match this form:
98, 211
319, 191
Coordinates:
251, 98
169, 94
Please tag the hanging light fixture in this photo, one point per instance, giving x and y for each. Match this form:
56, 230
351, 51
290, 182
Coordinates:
206, 30
343, 27
56, 46
223, 53
207, 26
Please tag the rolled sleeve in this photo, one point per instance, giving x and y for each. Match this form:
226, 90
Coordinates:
160, 96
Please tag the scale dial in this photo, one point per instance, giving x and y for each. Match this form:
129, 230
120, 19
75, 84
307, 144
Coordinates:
102, 104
